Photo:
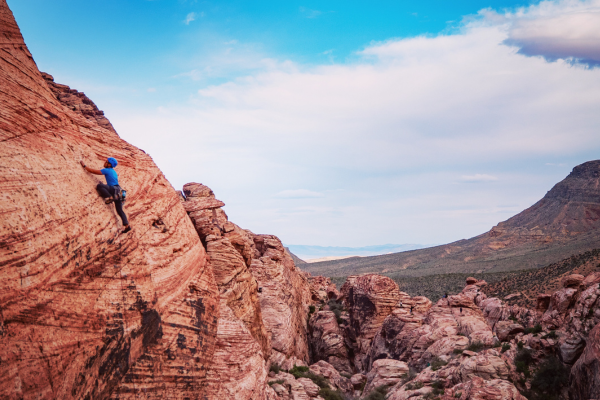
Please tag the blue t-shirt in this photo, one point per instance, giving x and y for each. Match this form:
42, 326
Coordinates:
112, 179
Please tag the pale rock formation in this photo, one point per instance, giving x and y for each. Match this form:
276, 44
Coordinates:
261, 287
479, 389
84, 311
322, 289
370, 299
487, 364
311, 388
284, 298
400, 337
327, 370
327, 341
385, 372
238, 368
358, 380
507, 330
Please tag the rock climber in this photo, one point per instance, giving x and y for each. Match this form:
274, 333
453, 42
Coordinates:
109, 191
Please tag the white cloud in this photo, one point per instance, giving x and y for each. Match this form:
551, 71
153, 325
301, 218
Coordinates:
151, 90
558, 30
299, 194
478, 178
385, 136
189, 18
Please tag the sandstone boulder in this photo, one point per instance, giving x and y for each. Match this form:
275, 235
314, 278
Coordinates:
507, 330
322, 289
310, 387
573, 280
385, 372
358, 381
327, 370
471, 280
570, 348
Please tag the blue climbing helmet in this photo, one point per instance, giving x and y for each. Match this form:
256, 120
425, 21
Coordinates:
112, 161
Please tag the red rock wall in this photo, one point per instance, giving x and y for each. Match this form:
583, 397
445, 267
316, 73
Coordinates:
264, 300
85, 311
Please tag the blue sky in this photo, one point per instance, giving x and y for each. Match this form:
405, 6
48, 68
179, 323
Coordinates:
341, 123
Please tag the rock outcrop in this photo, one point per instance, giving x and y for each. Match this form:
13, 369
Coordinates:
264, 300
370, 299
84, 311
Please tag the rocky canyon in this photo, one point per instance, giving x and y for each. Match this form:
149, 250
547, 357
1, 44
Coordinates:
189, 305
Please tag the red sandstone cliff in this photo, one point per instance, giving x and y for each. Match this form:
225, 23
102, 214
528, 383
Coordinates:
86, 312
190, 305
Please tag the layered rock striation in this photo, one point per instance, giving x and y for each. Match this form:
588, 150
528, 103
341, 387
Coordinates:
84, 311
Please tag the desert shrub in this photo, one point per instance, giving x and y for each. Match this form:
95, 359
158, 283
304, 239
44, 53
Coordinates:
513, 318
534, 330
551, 335
319, 380
414, 386
329, 394
311, 309
298, 371
548, 380
457, 351
345, 375
412, 374
523, 359
275, 368
505, 347
438, 388
279, 381
437, 384
475, 346
377, 394
437, 363
496, 344
458, 395
520, 345
304, 372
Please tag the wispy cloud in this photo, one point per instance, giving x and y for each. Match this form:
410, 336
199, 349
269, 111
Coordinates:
299, 194
192, 17
478, 178
308, 13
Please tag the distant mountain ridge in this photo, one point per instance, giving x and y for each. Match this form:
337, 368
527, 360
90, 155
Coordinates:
306, 252
564, 222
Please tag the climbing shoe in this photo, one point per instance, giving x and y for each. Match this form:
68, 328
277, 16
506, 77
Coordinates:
126, 229
108, 201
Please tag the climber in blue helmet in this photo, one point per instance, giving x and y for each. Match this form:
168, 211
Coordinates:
110, 191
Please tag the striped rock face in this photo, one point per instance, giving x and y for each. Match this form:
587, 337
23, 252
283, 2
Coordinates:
87, 312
